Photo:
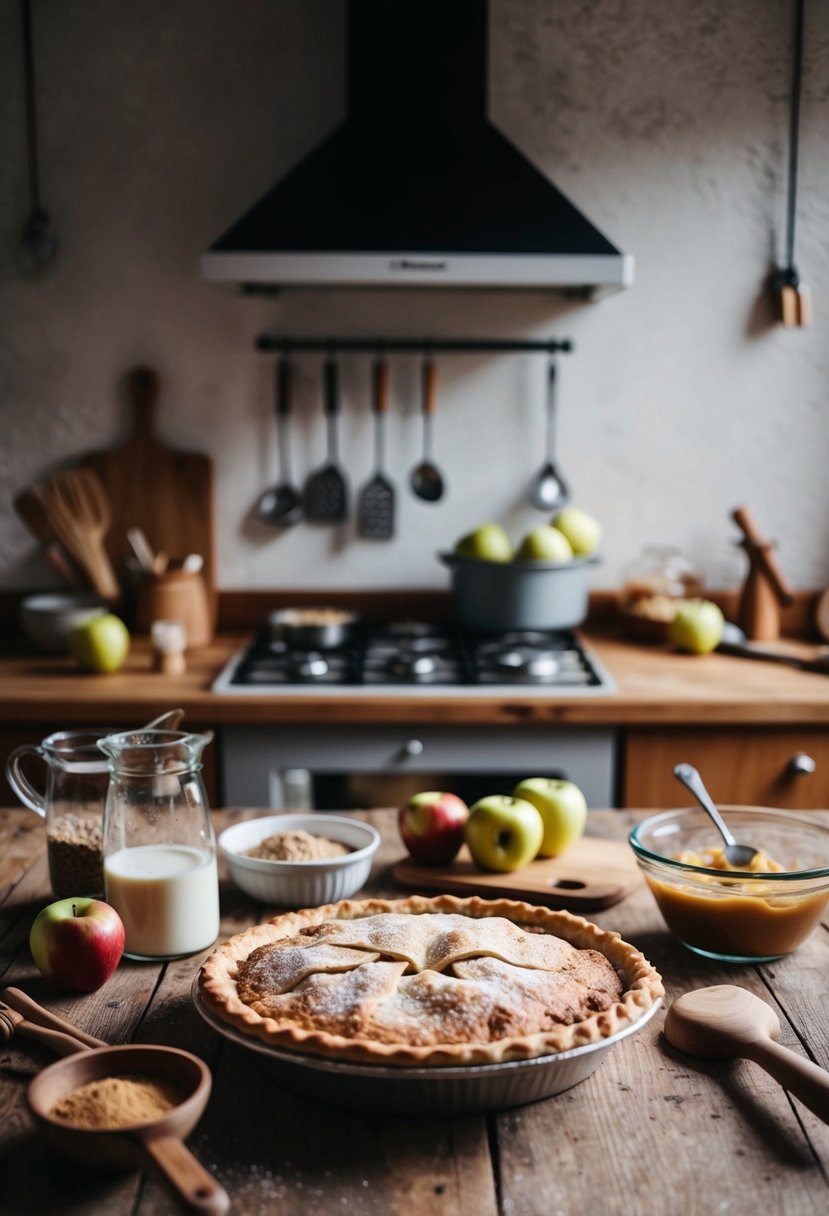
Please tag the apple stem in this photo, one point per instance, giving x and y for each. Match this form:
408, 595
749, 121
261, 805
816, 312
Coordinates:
74, 909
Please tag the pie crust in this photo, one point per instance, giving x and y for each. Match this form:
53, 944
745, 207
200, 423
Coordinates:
427, 982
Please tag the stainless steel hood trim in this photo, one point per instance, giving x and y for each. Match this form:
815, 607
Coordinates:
416, 187
419, 269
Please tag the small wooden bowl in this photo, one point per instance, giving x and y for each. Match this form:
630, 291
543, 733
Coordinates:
161, 1139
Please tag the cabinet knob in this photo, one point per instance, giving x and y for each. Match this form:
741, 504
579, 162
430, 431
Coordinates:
412, 747
801, 765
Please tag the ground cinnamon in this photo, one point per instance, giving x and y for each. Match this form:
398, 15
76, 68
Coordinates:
118, 1102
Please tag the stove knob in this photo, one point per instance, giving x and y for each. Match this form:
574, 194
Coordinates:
412, 747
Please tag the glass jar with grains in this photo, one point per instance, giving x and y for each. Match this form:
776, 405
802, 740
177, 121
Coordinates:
654, 584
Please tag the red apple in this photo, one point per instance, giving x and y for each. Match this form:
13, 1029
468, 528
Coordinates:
431, 825
77, 943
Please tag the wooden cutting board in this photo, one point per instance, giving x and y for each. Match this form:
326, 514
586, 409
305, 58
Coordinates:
592, 874
167, 493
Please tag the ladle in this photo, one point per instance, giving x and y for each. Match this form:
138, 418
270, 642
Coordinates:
87, 1059
549, 491
281, 506
426, 478
738, 855
725, 1021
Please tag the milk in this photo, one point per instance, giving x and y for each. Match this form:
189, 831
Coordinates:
167, 895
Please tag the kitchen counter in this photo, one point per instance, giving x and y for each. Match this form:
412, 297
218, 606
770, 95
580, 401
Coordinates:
655, 686
652, 1130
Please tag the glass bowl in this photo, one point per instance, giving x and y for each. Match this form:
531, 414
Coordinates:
731, 916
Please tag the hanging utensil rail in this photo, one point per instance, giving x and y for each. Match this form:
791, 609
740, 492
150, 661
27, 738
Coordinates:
453, 346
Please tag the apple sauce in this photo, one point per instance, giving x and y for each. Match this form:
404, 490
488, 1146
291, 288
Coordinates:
736, 919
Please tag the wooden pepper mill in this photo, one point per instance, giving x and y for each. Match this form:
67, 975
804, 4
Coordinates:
765, 589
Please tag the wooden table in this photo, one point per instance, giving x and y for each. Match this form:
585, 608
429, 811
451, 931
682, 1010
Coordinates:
651, 1132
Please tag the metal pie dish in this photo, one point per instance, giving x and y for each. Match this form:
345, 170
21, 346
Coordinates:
734, 916
300, 884
460, 1090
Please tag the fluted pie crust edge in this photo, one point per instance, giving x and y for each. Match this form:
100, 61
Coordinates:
641, 985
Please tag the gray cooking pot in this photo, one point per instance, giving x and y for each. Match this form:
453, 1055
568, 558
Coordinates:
502, 596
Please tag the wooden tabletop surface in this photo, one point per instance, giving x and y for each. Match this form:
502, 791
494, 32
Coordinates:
651, 1132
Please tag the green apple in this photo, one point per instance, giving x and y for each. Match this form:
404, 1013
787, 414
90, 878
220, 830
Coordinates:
489, 542
100, 644
77, 943
503, 833
581, 529
562, 807
545, 544
697, 626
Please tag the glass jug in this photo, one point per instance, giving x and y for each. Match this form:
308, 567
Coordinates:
159, 847
77, 778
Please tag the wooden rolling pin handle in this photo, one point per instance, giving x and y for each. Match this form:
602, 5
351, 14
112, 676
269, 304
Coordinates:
764, 554
39, 1016
808, 1082
13, 1023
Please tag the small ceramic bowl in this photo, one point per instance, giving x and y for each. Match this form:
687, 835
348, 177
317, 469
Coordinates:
300, 884
732, 916
48, 620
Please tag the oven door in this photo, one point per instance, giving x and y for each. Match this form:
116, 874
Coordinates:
353, 767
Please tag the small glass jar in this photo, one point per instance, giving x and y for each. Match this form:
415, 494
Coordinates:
159, 847
659, 578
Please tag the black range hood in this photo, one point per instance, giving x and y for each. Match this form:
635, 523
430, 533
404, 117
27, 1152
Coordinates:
416, 187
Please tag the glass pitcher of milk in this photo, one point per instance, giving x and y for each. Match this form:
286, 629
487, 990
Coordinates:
158, 842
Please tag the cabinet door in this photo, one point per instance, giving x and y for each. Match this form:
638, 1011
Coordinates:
781, 766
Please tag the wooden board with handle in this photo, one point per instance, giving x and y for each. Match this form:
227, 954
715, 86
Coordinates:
591, 874
168, 494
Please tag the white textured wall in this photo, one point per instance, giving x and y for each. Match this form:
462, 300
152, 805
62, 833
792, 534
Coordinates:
666, 123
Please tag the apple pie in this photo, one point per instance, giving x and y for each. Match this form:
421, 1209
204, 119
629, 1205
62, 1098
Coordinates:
427, 982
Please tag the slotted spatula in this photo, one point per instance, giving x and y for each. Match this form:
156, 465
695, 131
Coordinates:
326, 490
375, 519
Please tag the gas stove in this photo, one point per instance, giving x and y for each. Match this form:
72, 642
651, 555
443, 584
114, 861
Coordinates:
414, 658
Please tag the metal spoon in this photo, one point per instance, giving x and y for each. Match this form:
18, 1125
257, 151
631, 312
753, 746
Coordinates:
738, 855
426, 479
725, 1021
549, 490
281, 506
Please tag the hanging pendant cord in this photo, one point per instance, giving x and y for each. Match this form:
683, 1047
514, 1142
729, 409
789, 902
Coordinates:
31, 105
794, 129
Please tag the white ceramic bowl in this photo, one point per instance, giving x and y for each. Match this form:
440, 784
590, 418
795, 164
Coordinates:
300, 884
48, 620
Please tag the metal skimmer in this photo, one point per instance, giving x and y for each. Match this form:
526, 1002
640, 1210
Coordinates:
375, 519
326, 490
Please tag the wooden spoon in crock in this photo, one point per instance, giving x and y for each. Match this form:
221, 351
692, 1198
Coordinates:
725, 1021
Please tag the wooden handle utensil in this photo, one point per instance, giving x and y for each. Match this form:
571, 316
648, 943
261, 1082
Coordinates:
725, 1021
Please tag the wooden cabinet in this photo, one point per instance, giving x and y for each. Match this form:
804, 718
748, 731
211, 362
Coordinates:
749, 765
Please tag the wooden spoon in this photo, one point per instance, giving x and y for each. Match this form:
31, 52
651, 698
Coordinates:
726, 1021
29, 506
80, 514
